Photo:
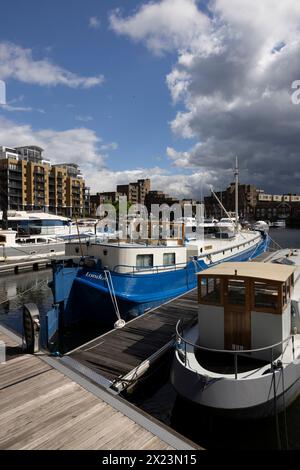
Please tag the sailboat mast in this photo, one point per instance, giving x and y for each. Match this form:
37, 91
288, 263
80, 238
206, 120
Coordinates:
236, 175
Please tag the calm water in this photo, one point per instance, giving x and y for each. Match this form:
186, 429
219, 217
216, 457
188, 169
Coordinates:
33, 287
28, 287
156, 395
286, 238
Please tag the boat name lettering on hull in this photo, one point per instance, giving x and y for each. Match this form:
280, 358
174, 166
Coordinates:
95, 276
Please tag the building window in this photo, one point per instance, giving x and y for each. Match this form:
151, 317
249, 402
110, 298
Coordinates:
169, 259
144, 261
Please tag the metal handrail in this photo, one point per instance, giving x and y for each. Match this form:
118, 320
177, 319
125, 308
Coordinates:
231, 248
230, 351
151, 268
235, 352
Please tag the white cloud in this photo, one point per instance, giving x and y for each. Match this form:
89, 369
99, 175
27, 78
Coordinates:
94, 22
164, 26
84, 147
78, 145
18, 63
179, 185
233, 80
11, 108
83, 118
109, 146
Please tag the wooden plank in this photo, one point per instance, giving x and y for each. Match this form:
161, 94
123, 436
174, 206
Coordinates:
115, 354
52, 412
18, 370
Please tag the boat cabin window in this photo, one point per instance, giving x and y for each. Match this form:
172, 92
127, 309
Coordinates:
287, 288
284, 293
236, 291
266, 296
169, 259
211, 290
144, 261
2, 239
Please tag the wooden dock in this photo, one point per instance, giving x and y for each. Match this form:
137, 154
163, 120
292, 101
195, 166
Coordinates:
120, 356
15, 267
73, 403
43, 408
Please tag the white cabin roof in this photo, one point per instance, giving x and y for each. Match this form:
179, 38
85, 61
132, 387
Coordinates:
268, 271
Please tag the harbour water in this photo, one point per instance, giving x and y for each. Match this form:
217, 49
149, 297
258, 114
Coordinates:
33, 287
156, 395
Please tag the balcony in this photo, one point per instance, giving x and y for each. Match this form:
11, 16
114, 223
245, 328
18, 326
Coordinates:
15, 169
14, 176
15, 185
15, 200
38, 179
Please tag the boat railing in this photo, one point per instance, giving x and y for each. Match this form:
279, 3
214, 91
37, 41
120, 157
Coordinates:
132, 269
230, 248
182, 343
84, 238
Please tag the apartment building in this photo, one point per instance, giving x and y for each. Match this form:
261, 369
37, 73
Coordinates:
28, 181
255, 204
135, 192
159, 197
247, 201
108, 197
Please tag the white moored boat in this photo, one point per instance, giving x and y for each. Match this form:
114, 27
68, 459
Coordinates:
13, 248
242, 358
261, 225
279, 223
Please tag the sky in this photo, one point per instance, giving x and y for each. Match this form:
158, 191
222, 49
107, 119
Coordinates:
170, 89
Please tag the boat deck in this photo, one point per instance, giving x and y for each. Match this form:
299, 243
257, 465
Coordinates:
43, 408
222, 363
120, 352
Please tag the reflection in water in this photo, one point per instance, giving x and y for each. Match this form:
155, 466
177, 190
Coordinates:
32, 287
20, 289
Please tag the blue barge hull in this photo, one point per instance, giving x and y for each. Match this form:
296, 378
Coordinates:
81, 293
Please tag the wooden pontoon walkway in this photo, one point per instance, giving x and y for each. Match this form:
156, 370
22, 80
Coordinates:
119, 357
41, 408
7, 267
119, 352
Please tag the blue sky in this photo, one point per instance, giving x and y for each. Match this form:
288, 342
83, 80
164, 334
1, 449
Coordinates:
132, 108
167, 89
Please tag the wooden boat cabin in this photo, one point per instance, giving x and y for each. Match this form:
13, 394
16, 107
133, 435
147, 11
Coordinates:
245, 306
